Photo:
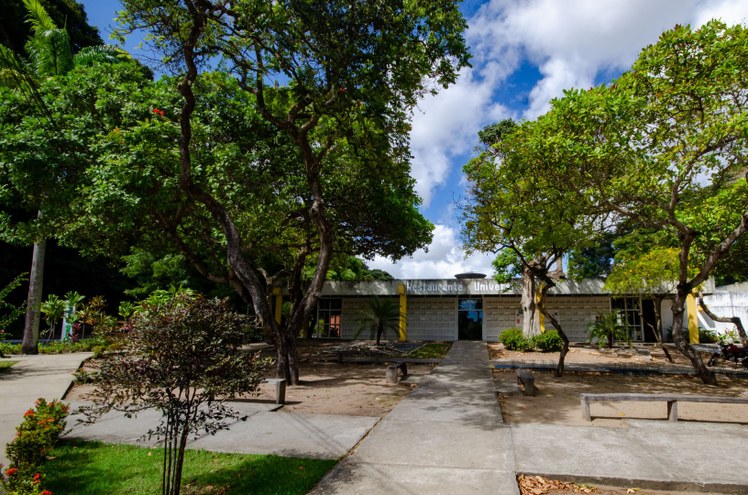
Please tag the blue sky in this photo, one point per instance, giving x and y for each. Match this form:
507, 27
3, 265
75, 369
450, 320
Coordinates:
525, 52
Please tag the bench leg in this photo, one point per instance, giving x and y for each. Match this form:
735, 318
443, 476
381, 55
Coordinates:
404, 367
392, 375
672, 410
586, 410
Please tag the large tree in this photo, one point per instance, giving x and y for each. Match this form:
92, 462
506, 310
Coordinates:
39, 184
519, 207
665, 147
338, 80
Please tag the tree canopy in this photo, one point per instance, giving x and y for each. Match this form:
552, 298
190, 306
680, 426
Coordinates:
664, 148
296, 152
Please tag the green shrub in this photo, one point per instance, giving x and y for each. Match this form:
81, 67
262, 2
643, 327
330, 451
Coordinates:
607, 329
705, 336
6, 348
35, 438
548, 341
514, 340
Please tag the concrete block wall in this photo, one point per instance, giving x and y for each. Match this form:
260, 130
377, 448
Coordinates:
432, 318
499, 313
575, 313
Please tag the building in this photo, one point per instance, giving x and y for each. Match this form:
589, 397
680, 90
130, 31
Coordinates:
473, 308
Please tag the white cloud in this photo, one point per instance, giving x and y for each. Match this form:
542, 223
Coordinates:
445, 125
444, 259
573, 43
729, 11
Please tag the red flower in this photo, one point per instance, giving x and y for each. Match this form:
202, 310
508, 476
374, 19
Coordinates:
29, 413
46, 492
11, 472
158, 112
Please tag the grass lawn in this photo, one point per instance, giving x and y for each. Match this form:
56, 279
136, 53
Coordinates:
432, 350
5, 365
92, 468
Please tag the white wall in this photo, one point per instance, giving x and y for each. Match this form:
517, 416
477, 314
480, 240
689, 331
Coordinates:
725, 304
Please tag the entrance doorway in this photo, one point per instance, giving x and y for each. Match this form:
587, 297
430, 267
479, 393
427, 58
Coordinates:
470, 318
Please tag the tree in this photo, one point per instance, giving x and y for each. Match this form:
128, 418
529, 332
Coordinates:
518, 207
182, 358
338, 81
9, 312
379, 316
50, 55
664, 146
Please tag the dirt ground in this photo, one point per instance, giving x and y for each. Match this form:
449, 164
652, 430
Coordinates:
557, 398
329, 387
557, 402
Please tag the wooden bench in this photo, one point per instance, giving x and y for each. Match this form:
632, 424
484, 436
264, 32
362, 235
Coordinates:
526, 382
392, 372
280, 389
671, 400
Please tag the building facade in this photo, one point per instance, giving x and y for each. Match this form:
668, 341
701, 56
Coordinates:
473, 309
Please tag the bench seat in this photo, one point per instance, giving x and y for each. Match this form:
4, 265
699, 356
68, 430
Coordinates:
671, 400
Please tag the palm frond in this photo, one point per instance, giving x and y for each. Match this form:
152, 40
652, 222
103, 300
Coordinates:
107, 54
14, 71
38, 17
50, 52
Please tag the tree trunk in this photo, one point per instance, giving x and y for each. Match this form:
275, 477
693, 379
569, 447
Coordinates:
725, 319
530, 320
658, 327
561, 333
34, 300
706, 375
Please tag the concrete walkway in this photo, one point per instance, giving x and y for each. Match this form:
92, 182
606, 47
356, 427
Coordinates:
42, 375
446, 437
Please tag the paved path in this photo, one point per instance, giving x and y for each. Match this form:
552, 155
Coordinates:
446, 437
321, 436
42, 375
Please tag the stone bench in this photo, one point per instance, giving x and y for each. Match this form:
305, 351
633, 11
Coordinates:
526, 382
671, 400
392, 372
280, 389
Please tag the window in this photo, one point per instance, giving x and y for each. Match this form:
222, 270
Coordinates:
629, 311
329, 312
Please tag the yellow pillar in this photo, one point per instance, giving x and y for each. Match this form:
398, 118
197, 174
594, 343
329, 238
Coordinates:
541, 316
693, 321
403, 329
278, 304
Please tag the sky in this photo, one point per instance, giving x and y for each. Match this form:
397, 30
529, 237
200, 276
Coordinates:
524, 53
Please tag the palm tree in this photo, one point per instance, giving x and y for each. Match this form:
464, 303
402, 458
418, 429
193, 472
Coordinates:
379, 316
50, 55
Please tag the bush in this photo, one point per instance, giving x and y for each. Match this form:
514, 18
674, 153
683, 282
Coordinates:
607, 329
35, 438
705, 336
548, 341
514, 340
7, 348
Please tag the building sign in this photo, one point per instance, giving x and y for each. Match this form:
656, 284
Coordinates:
454, 287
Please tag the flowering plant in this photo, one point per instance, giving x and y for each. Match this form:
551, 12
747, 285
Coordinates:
35, 437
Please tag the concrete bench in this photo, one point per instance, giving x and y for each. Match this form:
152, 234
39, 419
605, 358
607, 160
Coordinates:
392, 372
526, 382
671, 400
280, 389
